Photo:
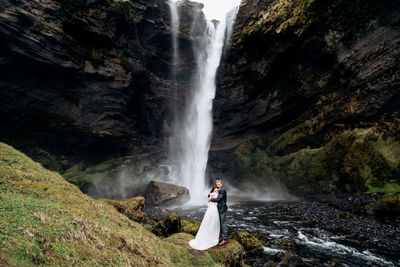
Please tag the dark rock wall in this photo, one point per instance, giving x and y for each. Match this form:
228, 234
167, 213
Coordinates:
89, 79
309, 94
308, 91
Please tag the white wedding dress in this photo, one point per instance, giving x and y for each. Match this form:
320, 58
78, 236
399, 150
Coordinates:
208, 233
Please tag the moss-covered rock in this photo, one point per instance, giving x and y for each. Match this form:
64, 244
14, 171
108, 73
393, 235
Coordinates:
190, 227
168, 225
360, 160
44, 220
230, 254
286, 242
202, 257
249, 241
86, 175
131, 207
389, 205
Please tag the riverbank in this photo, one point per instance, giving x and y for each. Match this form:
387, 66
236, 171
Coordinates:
310, 233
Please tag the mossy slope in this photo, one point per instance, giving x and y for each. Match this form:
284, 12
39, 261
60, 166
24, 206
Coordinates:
44, 220
354, 161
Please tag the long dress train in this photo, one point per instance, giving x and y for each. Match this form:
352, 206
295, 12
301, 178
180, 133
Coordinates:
208, 233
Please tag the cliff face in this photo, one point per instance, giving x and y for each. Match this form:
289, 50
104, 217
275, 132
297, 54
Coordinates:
88, 79
307, 91
309, 94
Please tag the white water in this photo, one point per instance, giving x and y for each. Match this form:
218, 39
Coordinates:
341, 249
193, 133
173, 8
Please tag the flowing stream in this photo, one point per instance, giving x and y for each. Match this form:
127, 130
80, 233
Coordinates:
193, 133
313, 233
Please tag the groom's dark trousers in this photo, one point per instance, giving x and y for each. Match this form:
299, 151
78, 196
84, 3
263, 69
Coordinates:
222, 208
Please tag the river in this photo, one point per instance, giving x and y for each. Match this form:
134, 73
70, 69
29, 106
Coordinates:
308, 233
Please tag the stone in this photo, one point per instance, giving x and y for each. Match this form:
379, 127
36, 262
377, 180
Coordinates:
249, 241
168, 225
131, 207
159, 193
230, 254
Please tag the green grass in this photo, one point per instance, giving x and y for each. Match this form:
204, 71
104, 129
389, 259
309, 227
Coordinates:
44, 220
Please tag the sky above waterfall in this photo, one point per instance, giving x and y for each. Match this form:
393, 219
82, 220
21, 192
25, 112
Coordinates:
216, 9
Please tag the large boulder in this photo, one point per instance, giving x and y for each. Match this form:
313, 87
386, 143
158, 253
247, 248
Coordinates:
159, 193
230, 254
131, 207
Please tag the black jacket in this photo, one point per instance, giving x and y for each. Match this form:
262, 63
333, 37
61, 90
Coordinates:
221, 199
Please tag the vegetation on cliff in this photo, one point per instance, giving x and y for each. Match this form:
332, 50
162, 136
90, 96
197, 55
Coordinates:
359, 160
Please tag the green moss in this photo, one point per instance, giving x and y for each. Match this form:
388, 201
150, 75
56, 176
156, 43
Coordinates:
386, 188
286, 242
44, 220
131, 207
230, 254
190, 227
83, 175
360, 160
281, 16
249, 241
170, 224
199, 258
389, 204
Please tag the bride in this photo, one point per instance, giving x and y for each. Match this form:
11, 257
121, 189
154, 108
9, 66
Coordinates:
208, 233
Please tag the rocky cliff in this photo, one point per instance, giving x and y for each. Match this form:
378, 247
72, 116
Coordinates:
88, 78
309, 95
307, 90
85, 82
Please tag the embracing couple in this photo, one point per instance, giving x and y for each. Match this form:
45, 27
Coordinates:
213, 228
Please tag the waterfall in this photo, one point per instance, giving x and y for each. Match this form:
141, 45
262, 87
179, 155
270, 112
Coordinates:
174, 22
173, 8
193, 135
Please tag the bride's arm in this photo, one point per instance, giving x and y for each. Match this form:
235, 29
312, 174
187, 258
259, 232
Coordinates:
219, 197
211, 196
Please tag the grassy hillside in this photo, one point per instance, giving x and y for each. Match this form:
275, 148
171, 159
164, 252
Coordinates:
44, 220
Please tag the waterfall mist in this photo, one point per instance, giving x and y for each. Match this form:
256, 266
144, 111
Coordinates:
190, 142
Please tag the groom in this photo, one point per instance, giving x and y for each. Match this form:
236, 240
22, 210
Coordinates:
222, 208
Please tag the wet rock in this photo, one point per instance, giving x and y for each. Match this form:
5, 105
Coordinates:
190, 227
168, 225
249, 241
388, 206
159, 193
286, 242
335, 263
132, 207
230, 254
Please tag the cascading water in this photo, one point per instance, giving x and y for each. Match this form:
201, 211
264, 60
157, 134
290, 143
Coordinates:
173, 8
194, 132
174, 22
